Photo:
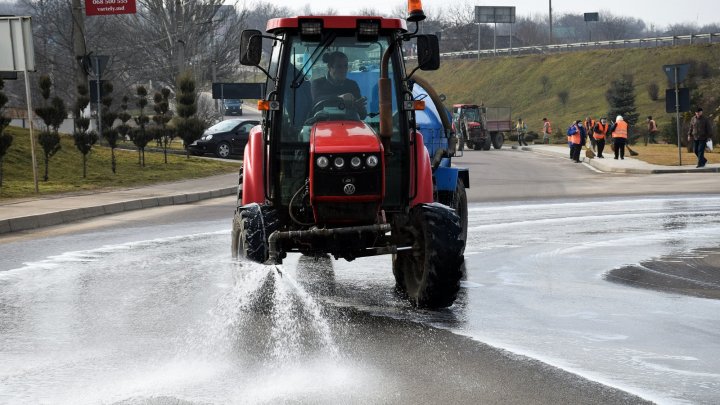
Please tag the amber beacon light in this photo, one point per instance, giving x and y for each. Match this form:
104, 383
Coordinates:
415, 11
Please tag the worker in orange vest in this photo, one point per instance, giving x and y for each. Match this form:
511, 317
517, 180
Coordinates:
599, 131
547, 130
589, 125
575, 134
620, 135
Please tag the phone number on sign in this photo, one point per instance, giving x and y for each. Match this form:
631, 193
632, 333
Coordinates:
107, 2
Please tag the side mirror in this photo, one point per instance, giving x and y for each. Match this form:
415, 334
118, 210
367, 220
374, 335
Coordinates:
250, 47
428, 51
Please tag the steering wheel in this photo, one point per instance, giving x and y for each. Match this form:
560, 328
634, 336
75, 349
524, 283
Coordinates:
317, 112
336, 102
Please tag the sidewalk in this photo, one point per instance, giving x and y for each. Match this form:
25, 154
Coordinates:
30, 213
628, 165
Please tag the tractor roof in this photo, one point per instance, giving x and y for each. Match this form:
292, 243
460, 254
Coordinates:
336, 22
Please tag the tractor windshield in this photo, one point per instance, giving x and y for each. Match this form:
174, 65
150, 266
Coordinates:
472, 114
334, 80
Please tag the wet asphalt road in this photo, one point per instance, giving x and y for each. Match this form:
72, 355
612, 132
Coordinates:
112, 311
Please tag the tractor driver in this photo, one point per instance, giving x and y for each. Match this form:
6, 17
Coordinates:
336, 84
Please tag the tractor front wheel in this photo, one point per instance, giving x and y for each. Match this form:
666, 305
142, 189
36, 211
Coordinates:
457, 200
252, 226
488, 142
429, 274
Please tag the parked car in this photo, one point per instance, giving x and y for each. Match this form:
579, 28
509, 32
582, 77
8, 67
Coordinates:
232, 107
225, 138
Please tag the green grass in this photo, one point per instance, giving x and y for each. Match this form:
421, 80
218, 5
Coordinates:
515, 81
65, 169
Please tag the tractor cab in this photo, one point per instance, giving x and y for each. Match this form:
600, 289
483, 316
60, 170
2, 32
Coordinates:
323, 117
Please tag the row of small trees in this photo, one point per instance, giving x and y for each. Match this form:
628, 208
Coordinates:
53, 112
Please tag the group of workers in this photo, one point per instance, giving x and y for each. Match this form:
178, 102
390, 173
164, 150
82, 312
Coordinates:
596, 133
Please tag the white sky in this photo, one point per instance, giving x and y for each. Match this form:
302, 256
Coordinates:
657, 12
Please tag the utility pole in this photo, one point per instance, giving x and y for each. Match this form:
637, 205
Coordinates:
78, 34
479, 26
179, 37
551, 33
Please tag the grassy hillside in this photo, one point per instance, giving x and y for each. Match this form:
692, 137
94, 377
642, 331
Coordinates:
65, 169
515, 81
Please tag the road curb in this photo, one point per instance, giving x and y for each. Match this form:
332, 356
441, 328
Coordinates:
76, 214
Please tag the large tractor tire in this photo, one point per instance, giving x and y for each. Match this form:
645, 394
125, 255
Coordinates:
429, 274
498, 138
457, 200
252, 226
488, 142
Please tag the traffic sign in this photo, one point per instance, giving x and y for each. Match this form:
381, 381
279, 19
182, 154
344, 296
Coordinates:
682, 72
94, 90
684, 98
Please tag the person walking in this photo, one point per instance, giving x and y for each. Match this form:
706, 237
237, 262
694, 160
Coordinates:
546, 130
589, 125
599, 132
619, 134
652, 130
575, 135
700, 131
521, 128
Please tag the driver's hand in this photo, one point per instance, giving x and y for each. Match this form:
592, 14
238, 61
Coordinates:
347, 98
361, 103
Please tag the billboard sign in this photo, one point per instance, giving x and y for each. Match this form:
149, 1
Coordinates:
238, 91
489, 15
109, 7
592, 17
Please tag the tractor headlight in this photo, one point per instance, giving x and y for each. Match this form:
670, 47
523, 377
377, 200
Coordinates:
355, 162
322, 162
339, 162
371, 161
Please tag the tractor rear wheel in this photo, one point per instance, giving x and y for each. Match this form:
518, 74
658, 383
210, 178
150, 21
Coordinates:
429, 274
497, 140
252, 226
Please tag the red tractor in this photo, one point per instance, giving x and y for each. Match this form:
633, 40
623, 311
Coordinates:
481, 127
346, 174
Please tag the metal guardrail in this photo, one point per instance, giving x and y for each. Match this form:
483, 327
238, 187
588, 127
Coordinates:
541, 49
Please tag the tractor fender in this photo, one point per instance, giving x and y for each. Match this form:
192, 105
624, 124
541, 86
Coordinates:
253, 185
424, 192
446, 178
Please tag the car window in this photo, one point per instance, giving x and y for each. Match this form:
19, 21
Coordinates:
245, 128
223, 126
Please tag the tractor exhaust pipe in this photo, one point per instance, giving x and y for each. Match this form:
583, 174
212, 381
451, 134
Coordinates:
385, 99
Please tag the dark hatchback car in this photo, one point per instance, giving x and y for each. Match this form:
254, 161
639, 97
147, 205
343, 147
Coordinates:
225, 138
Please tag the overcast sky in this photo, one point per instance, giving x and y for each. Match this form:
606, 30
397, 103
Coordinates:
657, 12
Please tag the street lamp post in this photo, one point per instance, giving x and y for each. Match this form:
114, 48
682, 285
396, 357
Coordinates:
479, 27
